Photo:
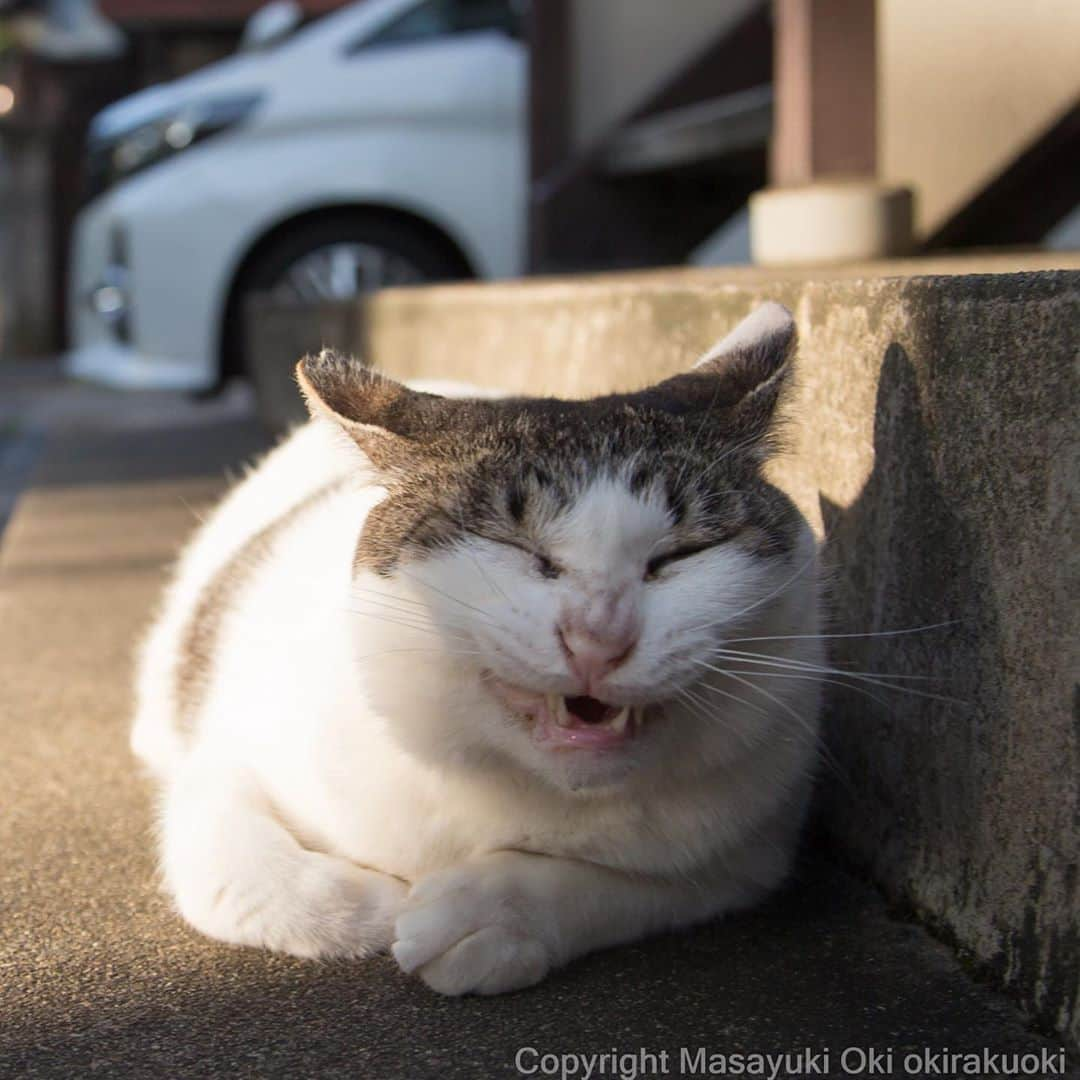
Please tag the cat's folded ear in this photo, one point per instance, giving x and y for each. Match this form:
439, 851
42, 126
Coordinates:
739, 382
380, 415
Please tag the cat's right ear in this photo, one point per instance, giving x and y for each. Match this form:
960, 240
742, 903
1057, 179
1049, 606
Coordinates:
380, 415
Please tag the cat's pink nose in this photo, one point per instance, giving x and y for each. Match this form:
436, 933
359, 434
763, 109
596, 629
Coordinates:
591, 656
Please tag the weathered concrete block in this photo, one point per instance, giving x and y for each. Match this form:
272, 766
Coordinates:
934, 445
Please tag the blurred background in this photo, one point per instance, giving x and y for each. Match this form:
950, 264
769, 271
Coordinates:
162, 162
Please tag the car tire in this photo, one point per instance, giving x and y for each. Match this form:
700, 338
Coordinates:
310, 308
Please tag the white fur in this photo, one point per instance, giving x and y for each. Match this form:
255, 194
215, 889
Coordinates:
354, 784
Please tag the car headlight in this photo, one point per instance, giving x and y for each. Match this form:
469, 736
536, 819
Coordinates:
115, 155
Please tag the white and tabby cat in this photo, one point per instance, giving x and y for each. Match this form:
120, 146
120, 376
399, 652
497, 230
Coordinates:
441, 674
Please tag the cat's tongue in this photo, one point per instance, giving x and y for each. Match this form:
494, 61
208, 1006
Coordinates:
585, 722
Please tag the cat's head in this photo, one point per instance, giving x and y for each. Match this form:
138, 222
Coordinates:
545, 581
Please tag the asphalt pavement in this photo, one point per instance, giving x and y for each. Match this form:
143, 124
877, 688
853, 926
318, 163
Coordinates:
99, 977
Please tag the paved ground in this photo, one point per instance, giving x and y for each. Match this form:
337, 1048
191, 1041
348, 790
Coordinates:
98, 977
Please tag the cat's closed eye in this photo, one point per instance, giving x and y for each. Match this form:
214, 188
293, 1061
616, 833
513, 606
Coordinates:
546, 567
657, 563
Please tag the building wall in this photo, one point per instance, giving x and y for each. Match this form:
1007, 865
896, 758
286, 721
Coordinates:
624, 50
964, 86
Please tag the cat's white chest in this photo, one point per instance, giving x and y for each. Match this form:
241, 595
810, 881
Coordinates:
376, 807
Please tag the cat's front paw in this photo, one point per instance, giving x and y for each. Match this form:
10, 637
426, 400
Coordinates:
315, 906
471, 929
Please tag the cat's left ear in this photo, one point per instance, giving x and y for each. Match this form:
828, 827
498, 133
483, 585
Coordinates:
753, 362
385, 419
739, 381
758, 348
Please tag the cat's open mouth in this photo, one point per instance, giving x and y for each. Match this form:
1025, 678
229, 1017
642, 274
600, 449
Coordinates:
571, 723
577, 722
586, 723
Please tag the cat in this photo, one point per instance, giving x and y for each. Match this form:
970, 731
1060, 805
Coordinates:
460, 677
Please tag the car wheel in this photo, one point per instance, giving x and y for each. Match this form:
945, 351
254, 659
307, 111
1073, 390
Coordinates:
311, 277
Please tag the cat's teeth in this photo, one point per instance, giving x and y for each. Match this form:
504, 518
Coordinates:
618, 721
556, 704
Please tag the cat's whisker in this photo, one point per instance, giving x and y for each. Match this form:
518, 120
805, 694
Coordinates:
417, 615
705, 504
688, 455
420, 629
695, 706
199, 515
451, 652
356, 587
418, 612
866, 634
826, 754
699, 706
812, 677
493, 586
884, 680
396, 622
733, 697
421, 610
785, 585
689, 458
362, 593
705, 711
735, 448
835, 675
392, 618
809, 665
472, 558
485, 615
712, 688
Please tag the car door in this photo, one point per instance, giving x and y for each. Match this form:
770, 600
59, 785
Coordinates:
444, 83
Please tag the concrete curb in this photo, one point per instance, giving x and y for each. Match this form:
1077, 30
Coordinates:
933, 440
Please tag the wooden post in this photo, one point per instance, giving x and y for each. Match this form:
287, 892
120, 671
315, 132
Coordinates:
825, 203
825, 73
550, 111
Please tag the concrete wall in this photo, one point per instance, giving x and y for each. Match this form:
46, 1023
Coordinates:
624, 50
964, 86
935, 445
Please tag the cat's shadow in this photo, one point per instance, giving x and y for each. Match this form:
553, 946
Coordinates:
902, 792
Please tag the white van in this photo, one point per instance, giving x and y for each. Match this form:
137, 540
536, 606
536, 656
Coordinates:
382, 145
